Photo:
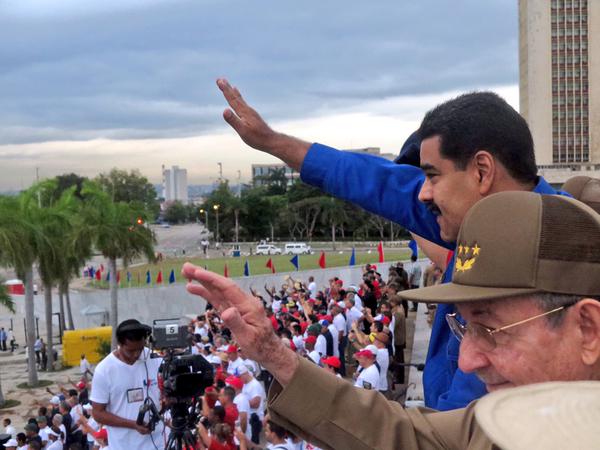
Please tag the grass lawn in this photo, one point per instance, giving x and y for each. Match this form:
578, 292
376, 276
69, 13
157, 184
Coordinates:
257, 264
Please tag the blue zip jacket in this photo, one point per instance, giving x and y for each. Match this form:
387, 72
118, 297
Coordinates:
391, 190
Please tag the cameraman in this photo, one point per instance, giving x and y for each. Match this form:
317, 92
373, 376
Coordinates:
125, 380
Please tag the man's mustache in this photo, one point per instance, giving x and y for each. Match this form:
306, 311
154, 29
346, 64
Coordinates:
433, 208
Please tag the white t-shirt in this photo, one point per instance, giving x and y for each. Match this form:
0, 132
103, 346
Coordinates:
276, 305
336, 339
252, 366
352, 315
383, 359
312, 287
123, 388
11, 430
44, 434
94, 426
368, 378
242, 402
298, 342
201, 330
56, 445
321, 345
284, 446
233, 365
84, 366
255, 388
340, 323
315, 356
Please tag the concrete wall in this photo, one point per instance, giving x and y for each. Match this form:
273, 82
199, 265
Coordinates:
168, 301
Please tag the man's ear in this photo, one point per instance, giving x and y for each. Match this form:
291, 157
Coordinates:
589, 323
484, 166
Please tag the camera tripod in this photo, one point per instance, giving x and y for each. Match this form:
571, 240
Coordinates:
181, 436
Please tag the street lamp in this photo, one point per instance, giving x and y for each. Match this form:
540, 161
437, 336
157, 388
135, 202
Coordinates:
216, 208
205, 212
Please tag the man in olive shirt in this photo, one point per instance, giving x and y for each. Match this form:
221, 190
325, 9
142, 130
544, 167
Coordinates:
527, 283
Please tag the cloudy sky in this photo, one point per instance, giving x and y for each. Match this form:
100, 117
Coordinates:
89, 85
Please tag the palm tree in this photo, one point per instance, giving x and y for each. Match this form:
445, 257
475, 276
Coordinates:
52, 218
6, 301
18, 238
115, 231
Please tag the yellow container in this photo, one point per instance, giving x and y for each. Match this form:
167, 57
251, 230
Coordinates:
85, 341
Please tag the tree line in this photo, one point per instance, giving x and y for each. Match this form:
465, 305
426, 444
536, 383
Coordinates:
57, 225
273, 209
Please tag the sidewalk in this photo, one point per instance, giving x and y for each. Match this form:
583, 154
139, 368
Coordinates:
414, 394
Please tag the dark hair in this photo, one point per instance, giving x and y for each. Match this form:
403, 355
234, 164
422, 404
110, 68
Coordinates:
34, 445
482, 121
131, 330
7, 420
278, 430
219, 412
229, 392
21, 437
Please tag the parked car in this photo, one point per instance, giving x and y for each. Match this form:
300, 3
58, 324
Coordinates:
267, 249
297, 248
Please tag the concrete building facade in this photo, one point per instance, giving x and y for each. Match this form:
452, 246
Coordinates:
174, 184
559, 84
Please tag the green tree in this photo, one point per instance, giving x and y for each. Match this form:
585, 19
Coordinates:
130, 187
18, 240
114, 231
6, 301
333, 213
176, 212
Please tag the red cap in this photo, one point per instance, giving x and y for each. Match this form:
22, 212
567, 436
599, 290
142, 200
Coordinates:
296, 314
232, 349
339, 282
234, 381
386, 320
332, 361
311, 300
311, 340
80, 385
101, 434
328, 318
364, 352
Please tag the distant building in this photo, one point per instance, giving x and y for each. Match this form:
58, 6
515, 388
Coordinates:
174, 184
261, 171
559, 84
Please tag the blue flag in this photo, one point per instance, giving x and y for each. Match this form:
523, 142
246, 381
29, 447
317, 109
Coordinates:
92, 272
246, 269
352, 261
108, 276
148, 279
413, 246
172, 276
128, 276
296, 262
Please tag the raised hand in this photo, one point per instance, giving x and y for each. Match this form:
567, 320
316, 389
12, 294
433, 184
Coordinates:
255, 132
244, 315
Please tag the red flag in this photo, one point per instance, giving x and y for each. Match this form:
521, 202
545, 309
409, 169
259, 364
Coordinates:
270, 265
118, 276
159, 277
226, 271
101, 267
98, 275
322, 264
380, 251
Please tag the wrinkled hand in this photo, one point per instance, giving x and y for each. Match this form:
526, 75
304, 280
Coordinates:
251, 127
244, 315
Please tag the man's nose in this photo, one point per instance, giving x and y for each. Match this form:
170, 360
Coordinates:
470, 357
425, 194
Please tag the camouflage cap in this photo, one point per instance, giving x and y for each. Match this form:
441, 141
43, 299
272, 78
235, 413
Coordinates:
518, 243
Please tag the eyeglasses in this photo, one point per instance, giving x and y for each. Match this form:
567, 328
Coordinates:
484, 336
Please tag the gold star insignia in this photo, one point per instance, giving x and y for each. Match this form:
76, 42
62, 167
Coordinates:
460, 249
476, 249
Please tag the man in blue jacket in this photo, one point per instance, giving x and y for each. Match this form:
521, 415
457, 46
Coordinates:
471, 146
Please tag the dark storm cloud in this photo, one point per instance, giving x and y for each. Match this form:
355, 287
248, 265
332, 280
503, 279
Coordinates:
149, 71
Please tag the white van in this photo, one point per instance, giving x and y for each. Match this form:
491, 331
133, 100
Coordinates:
297, 248
267, 249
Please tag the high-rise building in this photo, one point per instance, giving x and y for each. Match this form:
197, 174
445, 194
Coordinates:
559, 83
174, 184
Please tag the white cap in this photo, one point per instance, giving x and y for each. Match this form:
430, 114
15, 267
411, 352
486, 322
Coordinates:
372, 349
552, 416
11, 443
55, 400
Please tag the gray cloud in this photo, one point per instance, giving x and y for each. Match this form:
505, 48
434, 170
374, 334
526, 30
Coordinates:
148, 70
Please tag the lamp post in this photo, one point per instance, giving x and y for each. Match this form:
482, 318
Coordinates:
216, 208
205, 212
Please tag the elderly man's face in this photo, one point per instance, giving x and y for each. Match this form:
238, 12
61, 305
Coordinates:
448, 191
532, 352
